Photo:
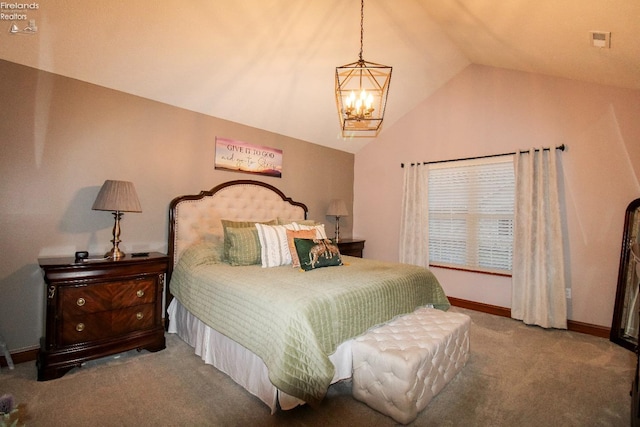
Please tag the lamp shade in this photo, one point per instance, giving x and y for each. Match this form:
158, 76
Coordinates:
338, 208
117, 196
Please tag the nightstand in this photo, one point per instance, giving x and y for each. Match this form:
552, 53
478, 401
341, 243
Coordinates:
351, 247
97, 308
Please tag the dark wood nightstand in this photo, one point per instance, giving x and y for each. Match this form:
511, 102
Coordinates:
351, 247
98, 308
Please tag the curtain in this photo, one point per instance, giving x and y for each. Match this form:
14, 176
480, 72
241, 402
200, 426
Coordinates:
414, 220
538, 290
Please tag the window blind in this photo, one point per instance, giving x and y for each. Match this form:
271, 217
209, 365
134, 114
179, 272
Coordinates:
471, 214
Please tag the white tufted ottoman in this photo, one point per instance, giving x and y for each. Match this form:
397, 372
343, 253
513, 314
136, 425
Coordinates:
400, 366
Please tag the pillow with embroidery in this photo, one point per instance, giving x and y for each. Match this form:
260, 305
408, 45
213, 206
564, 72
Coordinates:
317, 253
300, 234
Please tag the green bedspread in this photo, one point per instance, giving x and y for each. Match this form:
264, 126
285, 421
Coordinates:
293, 319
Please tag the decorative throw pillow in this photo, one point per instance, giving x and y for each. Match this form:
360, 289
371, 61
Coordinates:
320, 233
301, 234
274, 249
314, 253
285, 221
226, 223
244, 246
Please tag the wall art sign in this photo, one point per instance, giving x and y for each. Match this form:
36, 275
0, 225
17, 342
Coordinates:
238, 156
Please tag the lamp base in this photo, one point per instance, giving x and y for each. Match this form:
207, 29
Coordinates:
115, 253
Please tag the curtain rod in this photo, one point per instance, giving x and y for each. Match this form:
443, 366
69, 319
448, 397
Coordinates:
559, 147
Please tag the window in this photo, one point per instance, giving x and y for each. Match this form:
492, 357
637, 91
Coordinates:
471, 214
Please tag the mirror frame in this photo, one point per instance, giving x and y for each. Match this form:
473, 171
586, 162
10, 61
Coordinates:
617, 328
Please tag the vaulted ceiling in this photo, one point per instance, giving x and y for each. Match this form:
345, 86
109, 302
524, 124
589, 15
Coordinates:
271, 64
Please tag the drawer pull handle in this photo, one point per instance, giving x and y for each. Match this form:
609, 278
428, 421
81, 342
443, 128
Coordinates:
140, 293
80, 302
139, 315
80, 327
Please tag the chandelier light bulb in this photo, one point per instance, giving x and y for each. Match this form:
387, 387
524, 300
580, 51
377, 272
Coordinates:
369, 102
350, 100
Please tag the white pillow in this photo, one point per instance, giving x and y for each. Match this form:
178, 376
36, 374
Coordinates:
320, 233
274, 245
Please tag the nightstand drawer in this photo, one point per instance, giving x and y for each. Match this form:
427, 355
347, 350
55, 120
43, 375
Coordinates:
106, 324
133, 292
101, 297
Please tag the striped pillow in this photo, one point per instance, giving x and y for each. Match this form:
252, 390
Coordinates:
274, 246
320, 233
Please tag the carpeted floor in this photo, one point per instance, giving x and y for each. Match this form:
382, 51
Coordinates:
517, 375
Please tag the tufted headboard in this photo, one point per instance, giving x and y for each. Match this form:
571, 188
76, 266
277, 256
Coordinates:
196, 218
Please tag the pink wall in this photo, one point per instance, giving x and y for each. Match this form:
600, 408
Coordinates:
486, 110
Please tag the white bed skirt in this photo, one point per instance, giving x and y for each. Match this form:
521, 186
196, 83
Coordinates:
239, 363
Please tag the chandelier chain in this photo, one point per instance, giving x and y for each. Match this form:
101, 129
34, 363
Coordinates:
361, 27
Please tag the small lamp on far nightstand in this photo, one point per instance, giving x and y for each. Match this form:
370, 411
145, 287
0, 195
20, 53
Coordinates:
337, 208
118, 197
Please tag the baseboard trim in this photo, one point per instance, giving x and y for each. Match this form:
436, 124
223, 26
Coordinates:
481, 307
572, 325
587, 328
23, 356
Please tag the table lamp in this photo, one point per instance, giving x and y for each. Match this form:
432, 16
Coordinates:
118, 197
337, 208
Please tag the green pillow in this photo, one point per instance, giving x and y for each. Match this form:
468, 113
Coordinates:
315, 253
226, 224
244, 246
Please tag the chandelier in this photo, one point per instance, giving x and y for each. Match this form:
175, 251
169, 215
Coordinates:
361, 93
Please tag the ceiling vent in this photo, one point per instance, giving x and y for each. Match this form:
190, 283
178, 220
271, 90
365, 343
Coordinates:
601, 39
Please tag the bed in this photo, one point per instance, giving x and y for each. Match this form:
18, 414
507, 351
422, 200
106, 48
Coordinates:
282, 333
